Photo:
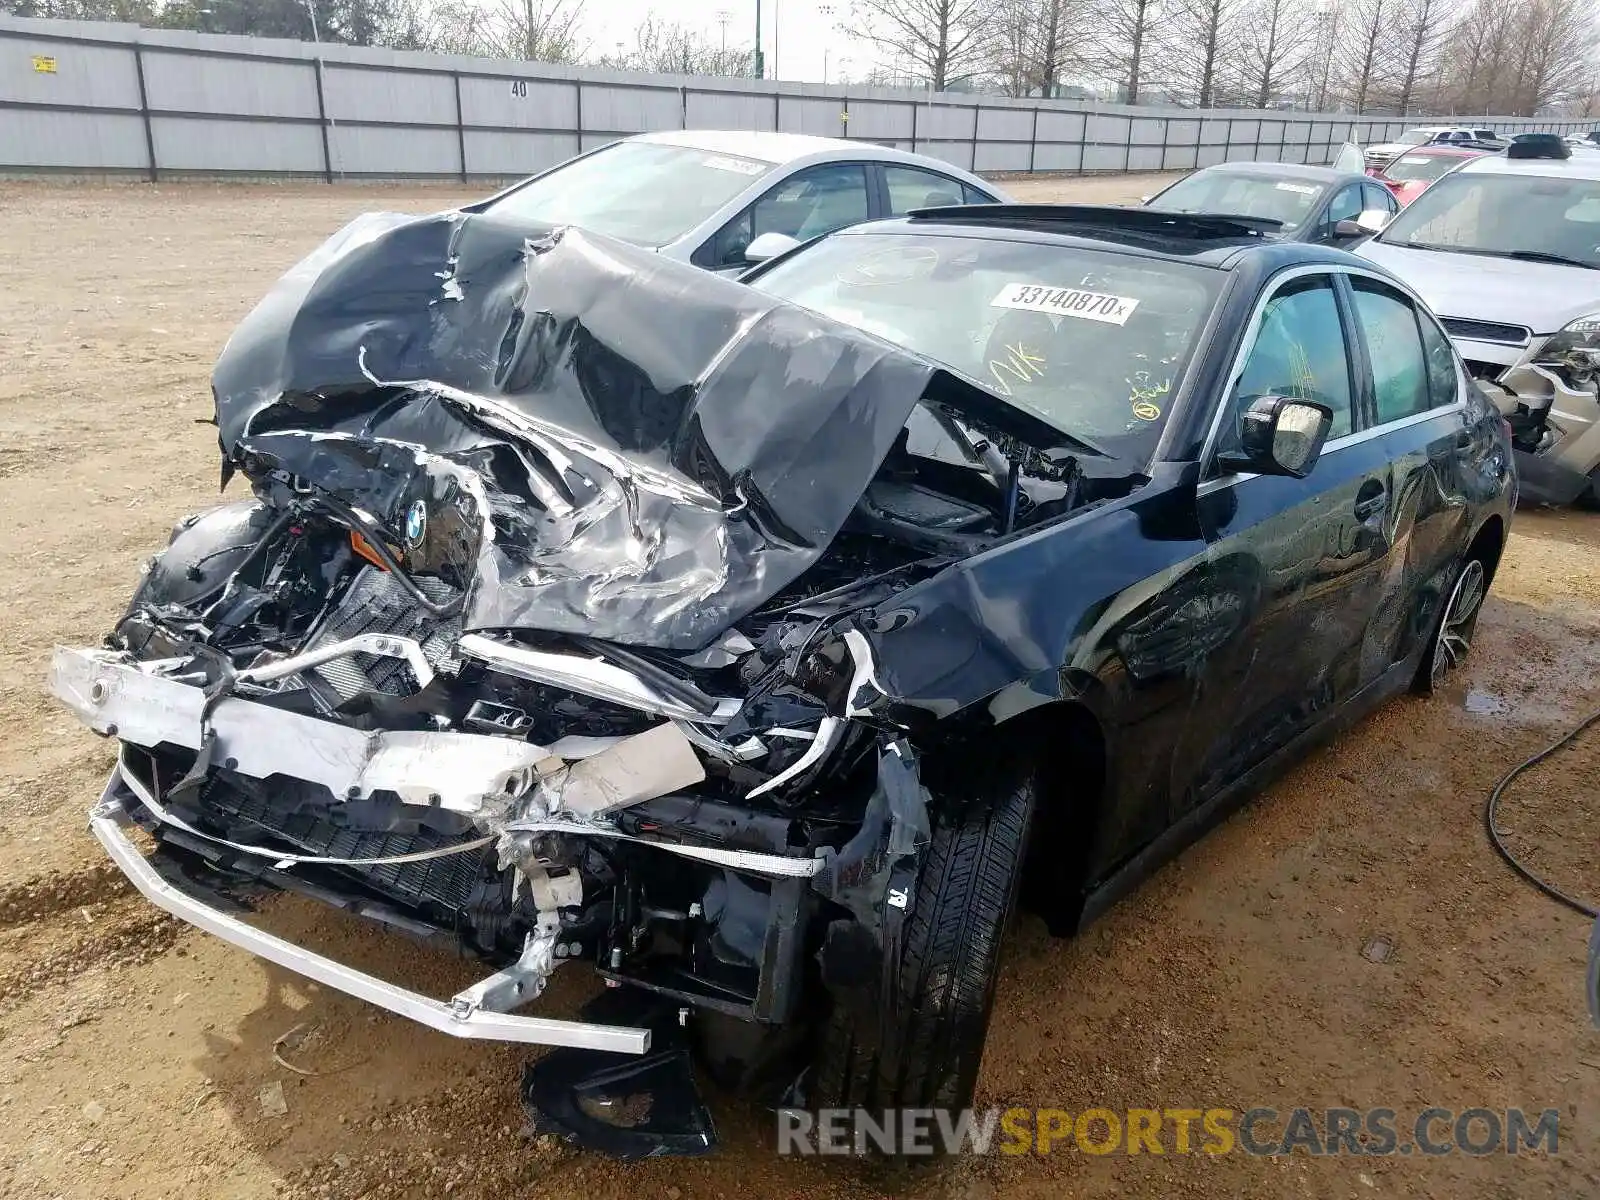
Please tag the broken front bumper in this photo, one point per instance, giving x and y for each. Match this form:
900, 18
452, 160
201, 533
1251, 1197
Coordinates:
469, 1014
153, 705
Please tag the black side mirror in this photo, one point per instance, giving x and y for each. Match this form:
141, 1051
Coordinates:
1280, 435
1344, 231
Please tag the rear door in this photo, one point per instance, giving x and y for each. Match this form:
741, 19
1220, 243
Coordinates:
1444, 456
1306, 557
908, 188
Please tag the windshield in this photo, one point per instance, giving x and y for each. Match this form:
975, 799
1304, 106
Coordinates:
1510, 216
1415, 137
1411, 168
1094, 343
1236, 194
642, 192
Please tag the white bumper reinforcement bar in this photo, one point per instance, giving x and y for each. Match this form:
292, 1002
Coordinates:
463, 1020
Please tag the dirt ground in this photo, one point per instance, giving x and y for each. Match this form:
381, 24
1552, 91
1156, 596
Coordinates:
134, 1050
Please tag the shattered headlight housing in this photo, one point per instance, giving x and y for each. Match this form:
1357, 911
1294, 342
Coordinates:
1574, 353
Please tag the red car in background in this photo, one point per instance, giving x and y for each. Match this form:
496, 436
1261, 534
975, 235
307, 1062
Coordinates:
1408, 175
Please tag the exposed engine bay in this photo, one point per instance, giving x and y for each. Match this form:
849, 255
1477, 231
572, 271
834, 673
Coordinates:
1551, 401
540, 634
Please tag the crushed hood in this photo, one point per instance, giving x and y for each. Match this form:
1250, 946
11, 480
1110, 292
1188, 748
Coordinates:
602, 441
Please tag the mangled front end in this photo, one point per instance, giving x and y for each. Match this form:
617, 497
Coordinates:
1550, 398
535, 635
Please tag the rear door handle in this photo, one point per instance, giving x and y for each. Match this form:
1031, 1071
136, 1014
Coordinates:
1371, 500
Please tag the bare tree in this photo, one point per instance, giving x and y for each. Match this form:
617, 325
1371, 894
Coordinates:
536, 30
1555, 61
1198, 45
1420, 26
1473, 47
947, 39
1368, 37
1032, 42
1518, 57
670, 48
1009, 46
1273, 48
1122, 50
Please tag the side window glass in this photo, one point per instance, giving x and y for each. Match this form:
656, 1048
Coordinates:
1394, 344
1376, 197
910, 188
1299, 351
1346, 205
1444, 379
806, 205
971, 195
726, 247
813, 202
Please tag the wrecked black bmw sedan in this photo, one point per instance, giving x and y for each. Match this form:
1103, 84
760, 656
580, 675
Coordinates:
760, 646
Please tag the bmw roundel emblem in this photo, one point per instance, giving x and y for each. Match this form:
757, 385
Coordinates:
416, 523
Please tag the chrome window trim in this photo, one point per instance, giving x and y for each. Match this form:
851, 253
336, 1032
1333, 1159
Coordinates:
1208, 450
1350, 439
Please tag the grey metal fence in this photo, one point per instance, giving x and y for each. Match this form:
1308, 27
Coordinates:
94, 97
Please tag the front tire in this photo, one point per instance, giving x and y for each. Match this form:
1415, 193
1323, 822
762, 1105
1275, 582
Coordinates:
1590, 496
965, 893
1457, 625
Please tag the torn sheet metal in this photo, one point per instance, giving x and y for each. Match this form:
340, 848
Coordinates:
874, 879
658, 450
641, 767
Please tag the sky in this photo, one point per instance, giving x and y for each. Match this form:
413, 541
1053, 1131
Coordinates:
796, 34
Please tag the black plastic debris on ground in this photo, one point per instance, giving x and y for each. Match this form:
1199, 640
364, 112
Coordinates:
625, 1106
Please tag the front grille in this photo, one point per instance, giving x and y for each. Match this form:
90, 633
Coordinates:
447, 881
1487, 331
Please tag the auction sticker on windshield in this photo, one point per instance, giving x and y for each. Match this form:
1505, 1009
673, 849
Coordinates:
741, 166
1068, 302
1299, 189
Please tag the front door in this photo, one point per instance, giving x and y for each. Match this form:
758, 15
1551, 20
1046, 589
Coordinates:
1304, 557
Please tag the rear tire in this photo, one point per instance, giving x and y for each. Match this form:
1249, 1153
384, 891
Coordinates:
1453, 632
964, 897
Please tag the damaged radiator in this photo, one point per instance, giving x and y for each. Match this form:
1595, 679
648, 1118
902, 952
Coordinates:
377, 602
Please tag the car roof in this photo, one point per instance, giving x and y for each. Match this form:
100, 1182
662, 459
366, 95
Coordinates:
780, 148
1272, 170
1578, 166
1033, 223
1441, 152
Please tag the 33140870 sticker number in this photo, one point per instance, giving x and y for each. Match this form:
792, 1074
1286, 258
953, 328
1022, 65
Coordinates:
1068, 302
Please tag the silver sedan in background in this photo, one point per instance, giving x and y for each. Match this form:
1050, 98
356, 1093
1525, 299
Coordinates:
724, 199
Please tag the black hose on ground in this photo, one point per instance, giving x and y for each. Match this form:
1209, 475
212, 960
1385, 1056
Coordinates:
1504, 851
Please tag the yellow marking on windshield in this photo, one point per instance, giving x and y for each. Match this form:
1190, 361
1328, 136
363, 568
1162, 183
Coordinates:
1143, 399
1020, 363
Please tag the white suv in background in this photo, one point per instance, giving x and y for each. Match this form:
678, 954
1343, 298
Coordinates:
1506, 250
